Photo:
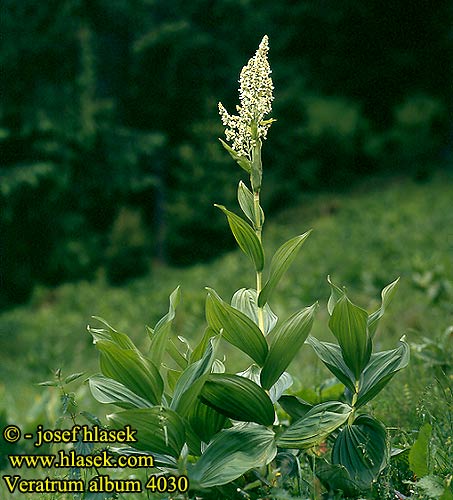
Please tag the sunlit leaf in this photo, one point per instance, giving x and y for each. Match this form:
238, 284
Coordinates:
419, 452
315, 425
386, 296
287, 338
245, 300
232, 453
246, 202
237, 328
106, 390
242, 161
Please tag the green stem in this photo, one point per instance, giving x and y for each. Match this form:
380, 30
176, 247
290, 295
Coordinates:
353, 403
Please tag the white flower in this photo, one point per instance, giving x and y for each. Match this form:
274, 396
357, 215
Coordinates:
255, 94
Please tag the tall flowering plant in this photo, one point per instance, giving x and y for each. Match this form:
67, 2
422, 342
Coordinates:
198, 419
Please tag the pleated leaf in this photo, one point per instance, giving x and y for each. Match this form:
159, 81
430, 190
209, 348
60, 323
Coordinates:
315, 425
386, 296
361, 448
246, 238
238, 398
280, 263
205, 421
162, 330
159, 429
349, 325
237, 328
245, 300
231, 454
336, 293
246, 202
287, 339
380, 370
330, 355
295, 407
106, 390
285, 381
131, 369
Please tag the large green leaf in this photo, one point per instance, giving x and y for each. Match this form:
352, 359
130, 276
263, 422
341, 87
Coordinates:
246, 202
161, 333
349, 325
330, 355
285, 381
287, 338
121, 339
205, 421
107, 390
386, 296
232, 453
280, 263
245, 300
159, 429
380, 370
335, 477
295, 407
315, 425
361, 448
336, 293
189, 384
238, 398
237, 328
246, 238
131, 369
242, 161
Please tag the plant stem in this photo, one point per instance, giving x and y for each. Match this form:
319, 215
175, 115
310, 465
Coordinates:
354, 401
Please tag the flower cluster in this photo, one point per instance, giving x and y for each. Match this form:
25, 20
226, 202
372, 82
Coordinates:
255, 94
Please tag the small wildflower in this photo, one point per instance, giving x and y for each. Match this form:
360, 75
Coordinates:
255, 94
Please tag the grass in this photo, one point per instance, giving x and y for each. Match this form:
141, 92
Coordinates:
364, 239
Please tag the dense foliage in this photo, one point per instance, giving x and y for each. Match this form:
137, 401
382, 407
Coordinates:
108, 119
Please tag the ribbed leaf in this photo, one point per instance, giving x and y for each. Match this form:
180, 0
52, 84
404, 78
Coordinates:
349, 325
131, 369
295, 407
380, 370
330, 355
205, 421
287, 339
107, 390
386, 296
161, 333
245, 300
246, 202
361, 448
246, 238
159, 429
285, 381
280, 263
315, 425
236, 327
238, 398
242, 161
187, 387
336, 477
336, 293
232, 453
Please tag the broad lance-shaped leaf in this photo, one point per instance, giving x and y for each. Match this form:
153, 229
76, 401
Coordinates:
287, 339
242, 161
246, 238
236, 327
380, 370
246, 202
315, 425
231, 454
161, 333
238, 398
159, 429
106, 390
386, 296
330, 355
187, 387
361, 448
280, 263
336, 293
349, 325
419, 452
285, 381
245, 299
131, 369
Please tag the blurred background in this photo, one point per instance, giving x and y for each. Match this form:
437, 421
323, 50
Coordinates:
110, 164
109, 124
